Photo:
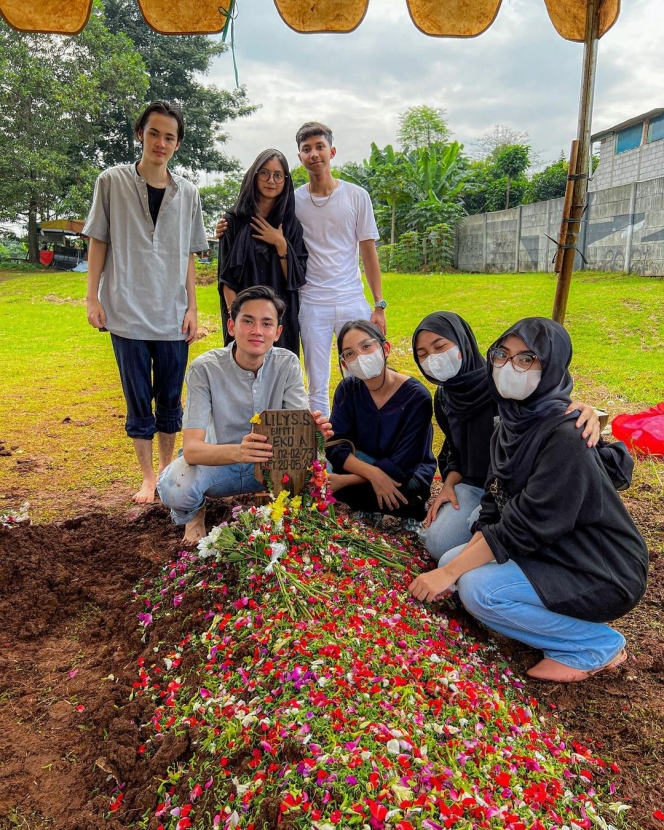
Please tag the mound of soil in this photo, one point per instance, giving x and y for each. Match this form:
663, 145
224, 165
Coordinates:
69, 641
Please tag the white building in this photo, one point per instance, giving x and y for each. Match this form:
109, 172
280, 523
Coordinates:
632, 151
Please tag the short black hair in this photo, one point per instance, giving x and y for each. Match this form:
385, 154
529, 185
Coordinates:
312, 128
258, 292
162, 108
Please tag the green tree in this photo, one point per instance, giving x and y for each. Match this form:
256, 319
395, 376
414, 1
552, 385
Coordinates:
385, 174
217, 198
421, 127
299, 176
511, 161
550, 183
54, 92
175, 65
437, 176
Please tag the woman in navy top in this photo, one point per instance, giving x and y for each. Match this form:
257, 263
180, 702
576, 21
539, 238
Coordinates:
381, 418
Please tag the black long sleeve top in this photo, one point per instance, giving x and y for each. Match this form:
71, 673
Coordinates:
569, 531
398, 435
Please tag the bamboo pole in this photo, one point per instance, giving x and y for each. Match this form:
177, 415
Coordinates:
570, 224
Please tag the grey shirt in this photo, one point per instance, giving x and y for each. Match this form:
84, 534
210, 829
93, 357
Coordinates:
222, 397
143, 284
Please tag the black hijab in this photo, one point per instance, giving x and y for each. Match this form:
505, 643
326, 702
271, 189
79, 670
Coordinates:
464, 398
525, 424
243, 255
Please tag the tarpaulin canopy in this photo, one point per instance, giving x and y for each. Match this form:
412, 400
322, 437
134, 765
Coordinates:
71, 225
578, 20
442, 18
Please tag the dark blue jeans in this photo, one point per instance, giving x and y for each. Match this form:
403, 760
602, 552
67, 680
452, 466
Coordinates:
151, 370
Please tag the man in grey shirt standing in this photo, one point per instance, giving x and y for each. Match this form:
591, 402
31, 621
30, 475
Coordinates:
144, 227
225, 389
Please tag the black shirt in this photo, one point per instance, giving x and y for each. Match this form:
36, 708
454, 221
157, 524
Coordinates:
155, 197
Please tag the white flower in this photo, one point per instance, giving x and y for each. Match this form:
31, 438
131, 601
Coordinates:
393, 747
278, 549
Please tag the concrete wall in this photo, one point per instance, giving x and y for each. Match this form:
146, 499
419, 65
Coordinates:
623, 230
637, 165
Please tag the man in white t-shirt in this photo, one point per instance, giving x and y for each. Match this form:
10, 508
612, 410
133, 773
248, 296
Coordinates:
338, 222
339, 226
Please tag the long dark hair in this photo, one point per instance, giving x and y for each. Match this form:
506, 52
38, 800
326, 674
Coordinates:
247, 201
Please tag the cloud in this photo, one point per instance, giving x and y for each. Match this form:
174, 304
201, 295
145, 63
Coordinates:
519, 73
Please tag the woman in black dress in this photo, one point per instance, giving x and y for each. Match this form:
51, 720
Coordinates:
263, 243
555, 554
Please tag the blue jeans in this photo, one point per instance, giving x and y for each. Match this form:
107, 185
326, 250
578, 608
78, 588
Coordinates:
452, 527
151, 370
501, 597
183, 487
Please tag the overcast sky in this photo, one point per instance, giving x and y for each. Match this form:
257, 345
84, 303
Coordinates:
519, 73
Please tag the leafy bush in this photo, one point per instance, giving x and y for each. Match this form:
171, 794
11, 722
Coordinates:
428, 251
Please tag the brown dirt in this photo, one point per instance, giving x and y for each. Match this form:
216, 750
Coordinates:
68, 639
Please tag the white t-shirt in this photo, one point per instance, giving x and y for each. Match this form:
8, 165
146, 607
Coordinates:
333, 229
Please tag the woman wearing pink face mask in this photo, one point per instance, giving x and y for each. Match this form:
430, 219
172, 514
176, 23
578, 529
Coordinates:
383, 463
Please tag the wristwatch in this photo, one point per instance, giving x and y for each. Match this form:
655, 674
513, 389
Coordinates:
380, 304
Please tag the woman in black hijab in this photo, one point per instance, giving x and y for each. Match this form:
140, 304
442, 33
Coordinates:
555, 554
263, 243
446, 352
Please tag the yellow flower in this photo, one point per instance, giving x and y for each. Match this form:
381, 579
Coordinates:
279, 506
255, 419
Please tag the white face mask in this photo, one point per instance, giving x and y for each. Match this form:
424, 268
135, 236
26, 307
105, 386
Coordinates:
367, 366
443, 365
516, 385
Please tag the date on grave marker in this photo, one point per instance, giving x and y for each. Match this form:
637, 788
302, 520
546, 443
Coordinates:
292, 433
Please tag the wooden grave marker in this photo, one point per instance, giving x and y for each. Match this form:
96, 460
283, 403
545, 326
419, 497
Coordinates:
292, 433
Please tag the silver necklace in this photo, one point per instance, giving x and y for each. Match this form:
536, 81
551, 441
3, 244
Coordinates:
322, 204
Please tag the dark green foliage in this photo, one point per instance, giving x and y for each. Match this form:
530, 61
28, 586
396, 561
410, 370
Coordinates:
549, 184
173, 64
499, 181
217, 198
55, 92
412, 191
430, 250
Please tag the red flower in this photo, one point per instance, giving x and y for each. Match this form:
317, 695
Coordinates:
378, 811
115, 805
659, 815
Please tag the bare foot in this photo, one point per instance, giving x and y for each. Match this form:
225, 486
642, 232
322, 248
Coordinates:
194, 530
146, 494
336, 481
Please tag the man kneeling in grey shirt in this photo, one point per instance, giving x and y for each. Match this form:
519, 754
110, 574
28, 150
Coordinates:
225, 389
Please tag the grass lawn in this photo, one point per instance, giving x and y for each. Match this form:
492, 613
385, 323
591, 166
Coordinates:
63, 411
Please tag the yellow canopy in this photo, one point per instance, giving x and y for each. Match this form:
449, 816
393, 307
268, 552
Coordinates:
71, 225
442, 18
